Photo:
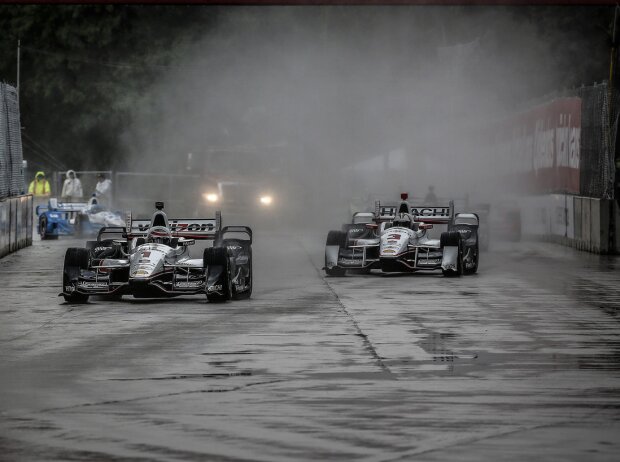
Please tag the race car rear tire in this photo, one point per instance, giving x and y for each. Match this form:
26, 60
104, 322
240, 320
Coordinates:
450, 238
338, 238
476, 260
75, 260
247, 293
218, 257
453, 238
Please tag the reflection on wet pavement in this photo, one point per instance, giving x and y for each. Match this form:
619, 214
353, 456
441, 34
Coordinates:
519, 361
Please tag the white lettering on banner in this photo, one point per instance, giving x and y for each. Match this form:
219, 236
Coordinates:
543, 146
574, 152
561, 146
546, 147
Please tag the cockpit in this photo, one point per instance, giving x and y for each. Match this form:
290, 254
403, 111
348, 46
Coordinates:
94, 206
159, 232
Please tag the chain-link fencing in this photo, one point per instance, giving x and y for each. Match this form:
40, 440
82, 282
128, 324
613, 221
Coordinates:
599, 127
11, 161
138, 191
600, 111
88, 180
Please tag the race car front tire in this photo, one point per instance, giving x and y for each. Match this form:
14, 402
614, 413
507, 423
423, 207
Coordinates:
216, 259
453, 238
76, 259
338, 238
335, 272
246, 293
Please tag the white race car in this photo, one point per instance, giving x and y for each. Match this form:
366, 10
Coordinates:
93, 217
153, 260
397, 241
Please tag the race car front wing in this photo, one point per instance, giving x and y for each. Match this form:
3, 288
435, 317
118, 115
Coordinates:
352, 257
104, 280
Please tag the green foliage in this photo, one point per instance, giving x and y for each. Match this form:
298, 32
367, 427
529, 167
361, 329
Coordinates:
83, 67
87, 68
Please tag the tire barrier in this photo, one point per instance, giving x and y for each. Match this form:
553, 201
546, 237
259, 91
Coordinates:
15, 223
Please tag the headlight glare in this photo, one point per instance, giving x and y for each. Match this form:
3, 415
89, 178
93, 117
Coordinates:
211, 197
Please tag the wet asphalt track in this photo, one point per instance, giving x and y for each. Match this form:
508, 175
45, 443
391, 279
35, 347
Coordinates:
521, 362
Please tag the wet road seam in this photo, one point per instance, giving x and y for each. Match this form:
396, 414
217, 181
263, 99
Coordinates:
163, 395
406, 455
186, 376
360, 333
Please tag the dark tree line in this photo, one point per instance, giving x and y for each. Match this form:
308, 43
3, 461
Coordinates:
84, 68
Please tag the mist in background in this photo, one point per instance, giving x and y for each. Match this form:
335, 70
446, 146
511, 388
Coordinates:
330, 104
351, 104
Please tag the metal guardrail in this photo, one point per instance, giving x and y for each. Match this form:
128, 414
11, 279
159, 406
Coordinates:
11, 160
15, 223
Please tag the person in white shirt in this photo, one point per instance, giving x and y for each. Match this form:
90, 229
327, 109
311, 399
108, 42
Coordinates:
103, 190
72, 188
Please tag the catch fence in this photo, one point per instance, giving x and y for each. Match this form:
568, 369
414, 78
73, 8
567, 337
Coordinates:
11, 160
138, 191
599, 130
88, 179
598, 133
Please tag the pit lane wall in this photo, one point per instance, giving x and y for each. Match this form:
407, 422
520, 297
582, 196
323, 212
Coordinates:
15, 223
584, 223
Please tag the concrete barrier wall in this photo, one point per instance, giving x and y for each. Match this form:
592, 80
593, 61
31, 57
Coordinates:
15, 223
581, 222
616, 223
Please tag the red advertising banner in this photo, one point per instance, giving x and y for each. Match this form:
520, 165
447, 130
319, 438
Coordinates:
541, 146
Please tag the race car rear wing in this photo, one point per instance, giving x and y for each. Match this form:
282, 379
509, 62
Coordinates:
427, 214
190, 228
434, 214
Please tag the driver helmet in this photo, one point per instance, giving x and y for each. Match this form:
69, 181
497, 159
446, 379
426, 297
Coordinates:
158, 235
403, 220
